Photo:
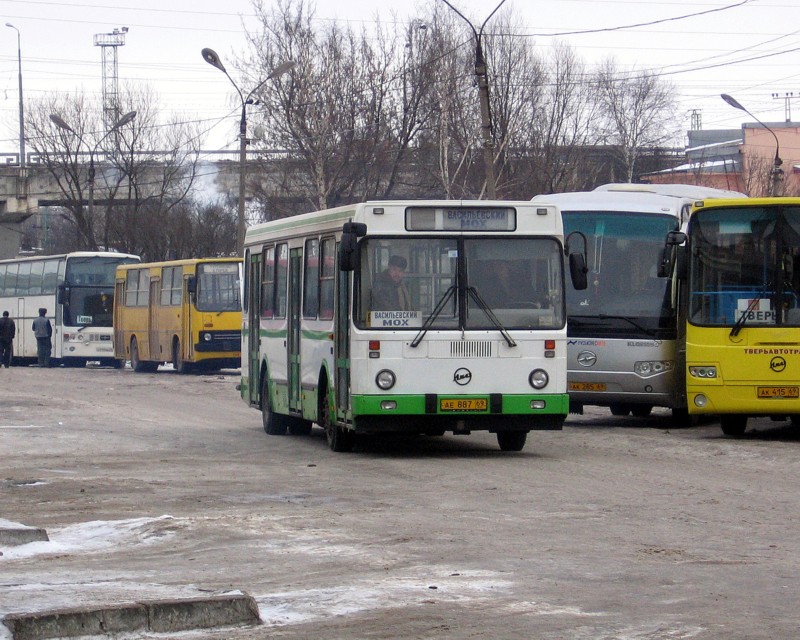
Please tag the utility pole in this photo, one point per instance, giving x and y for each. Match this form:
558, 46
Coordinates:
787, 103
482, 76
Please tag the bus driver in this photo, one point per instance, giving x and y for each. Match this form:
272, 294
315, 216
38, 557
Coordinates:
389, 292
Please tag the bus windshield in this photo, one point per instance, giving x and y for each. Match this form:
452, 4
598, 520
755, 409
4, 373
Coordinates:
625, 294
457, 282
745, 265
88, 290
218, 287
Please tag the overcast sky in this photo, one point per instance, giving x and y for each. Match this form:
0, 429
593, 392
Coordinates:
748, 48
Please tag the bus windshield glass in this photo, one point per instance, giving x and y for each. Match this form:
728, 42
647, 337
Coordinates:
218, 287
625, 294
460, 282
88, 291
745, 266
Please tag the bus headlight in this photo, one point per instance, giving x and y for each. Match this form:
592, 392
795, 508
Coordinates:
207, 337
385, 379
538, 378
703, 372
647, 368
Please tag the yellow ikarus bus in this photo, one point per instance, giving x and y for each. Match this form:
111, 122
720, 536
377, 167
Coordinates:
738, 267
184, 312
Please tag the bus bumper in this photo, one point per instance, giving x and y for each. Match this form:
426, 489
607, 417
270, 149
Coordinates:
423, 413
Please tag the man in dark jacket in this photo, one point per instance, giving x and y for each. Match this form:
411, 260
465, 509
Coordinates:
43, 331
7, 332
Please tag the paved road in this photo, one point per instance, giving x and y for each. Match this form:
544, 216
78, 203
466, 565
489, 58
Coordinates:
161, 485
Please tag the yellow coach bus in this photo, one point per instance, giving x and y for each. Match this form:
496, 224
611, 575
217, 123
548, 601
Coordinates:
184, 312
738, 268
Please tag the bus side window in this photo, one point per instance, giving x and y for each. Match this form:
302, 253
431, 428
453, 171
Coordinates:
327, 278
268, 283
311, 278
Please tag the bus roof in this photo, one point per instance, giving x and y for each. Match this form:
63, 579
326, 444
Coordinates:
381, 216
177, 263
674, 190
747, 202
634, 202
72, 254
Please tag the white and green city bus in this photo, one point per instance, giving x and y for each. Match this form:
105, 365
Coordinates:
77, 289
319, 347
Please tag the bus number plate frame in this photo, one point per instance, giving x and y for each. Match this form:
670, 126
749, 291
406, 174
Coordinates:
778, 392
450, 405
587, 386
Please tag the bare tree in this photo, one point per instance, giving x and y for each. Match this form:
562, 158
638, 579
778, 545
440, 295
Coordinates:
118, 187
638, 111
68, 154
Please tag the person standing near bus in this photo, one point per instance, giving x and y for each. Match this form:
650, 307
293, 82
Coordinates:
7, 332
43, 331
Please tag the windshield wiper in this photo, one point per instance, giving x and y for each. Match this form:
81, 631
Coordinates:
473, 292
433, 315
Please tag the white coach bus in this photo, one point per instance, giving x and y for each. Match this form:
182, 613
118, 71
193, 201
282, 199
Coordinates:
622, 329
389, 316
77, 289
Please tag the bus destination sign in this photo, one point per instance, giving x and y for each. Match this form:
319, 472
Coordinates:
461, 219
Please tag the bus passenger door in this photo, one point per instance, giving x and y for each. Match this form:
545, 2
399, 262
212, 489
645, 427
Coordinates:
251, 338
342, 347
119, 338
154, 350
293, 346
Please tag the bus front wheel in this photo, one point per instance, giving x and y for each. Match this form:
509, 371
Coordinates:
274, 424
511, 440
733, 425
177, 360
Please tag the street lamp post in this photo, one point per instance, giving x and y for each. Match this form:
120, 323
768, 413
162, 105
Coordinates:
21, 103
776, 173
61, 124
211, 57
482, 76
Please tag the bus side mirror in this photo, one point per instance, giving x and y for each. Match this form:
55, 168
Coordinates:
191, 284
670, 254
578, 271
348, 247
63, 294
577, 262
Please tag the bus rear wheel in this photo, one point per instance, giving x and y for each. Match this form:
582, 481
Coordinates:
733, 425
274, 424
338, 438
136, 364
511, 440
619, 409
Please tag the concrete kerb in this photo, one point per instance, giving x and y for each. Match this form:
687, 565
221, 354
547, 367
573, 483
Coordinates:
13, 533
162, 616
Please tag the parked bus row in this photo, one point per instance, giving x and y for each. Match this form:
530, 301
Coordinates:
434, 316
